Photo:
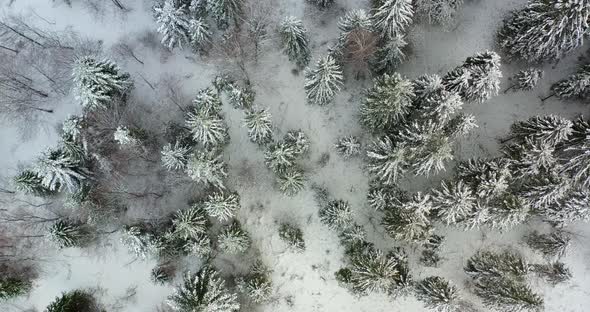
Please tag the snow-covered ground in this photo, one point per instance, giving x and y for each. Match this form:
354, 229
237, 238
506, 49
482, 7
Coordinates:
305, 281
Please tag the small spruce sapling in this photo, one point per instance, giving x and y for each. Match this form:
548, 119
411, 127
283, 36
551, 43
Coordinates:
507, 294
222, 205
280, 156
323, 82
292, 236
11, 287
291, 181
298, 140
337, 215
173, 24
392, 17
256, 285
175, 157
438, 294
554, 273
207, 167
208, 129
233, 239
525, 80
295, 39
551, 245
576, 86
67, 234
348, 146
259, 124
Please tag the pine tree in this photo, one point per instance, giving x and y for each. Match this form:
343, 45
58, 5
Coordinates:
242, 98
233, 239
73, 301
507, 294
293, 236
392, 17
554, 273
199, 34
141, 241
203, 291
552, 245
496, 265
438, 294
545, 30
97, 83
257, 285
298, 140
259, 124
387, 102
433, 155
546, 190
126, 136
72, 127
208, 129
291, 181
175, 157
337, 215
348, 146
68, 234
387, 162
162, 274
460, 125
222, 205
576, 207
353, 235
295, 39
322, 3
438, 12
173, 23
374, 271
354, 20
508, 211
225, 11
426, 87
59, 171
577, 151
531, 158
453, 202
390, 54
322, 83
438, 104
526, 80
11, 287
551, 129
381, 197
207, 102
575, 86
29, 182
280, 156
207, 167
409, 220
478, 79
190, 223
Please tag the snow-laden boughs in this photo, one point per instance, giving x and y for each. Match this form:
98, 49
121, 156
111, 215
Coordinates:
291, 181
322, 3
432, 155
225, 11
387, 162
507, 294
551, 245
551, 129
453, 202
233, 239
545, 30
28, 182
75, 300
256, 285
337, 215
576, 86
438, 104
60, 171
387, 102
354, 20
97, 83
175, 157
577, 148
392, 17
478, 79
526, 80
241, 97
390, 54
374, 271
209, 129
438, 294
11, 287
162, 274
190, 223
259, 124
207, 101
173, 24
222, 205
141, 241
124, 136
65, 234
553, 273
575, 207
199, 34
322, 82
207, 167
203, 291
280, 156
295, 39
292, 236
408, 221
298, 140
460, 125
199, 246
348, 146
382, 196
72, 127
439, 12
352, 235
491, 264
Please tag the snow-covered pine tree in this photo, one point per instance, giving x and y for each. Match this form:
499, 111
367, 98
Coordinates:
322, 82
225, 11
11, 287
75, 300
545, 30
438, 12
203, 291
242, 97
97, 83
162, 274
390, 54
577, 151
554, 273
209, 129
190, 223
293, 236
508, 294
546, 190
72, 127
426, 87
322, 3
141, 241
29, 182
387, 102
348, 146
353, 235
259, 124
576, 86
199, 34
173, 24
438, 294
337, 215
354, 20
409, 220
222, 205
291, 181
207, 167
59, 171
439, 105
233, 239
575, 207
453, 202
295, 39
478, 79
392, 17
256, 285
207, 101
387, 162
551, 245
175, 157
199, 246
508, 210
460, 125
298, 140
551, 129
531, 158
280, 156
496, 265
432, 156
373, 271
129, 137
67, 234
526, 80
380, 196
488, 178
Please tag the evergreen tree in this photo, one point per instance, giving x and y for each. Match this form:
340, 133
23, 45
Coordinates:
322, 83
208, 129
141, 241
526, 80
390, 54
387, 102
207, 102
11, 287
531, 159
551, 129
353, 235
280, 156
545, 30
293, 236
175, 157
222, 205
546, 190
97, 83
199, 34
409, 220
73, 301
438, 294
256, 285
508, 211
393, 16
348, 146
496, 265
374, 271
242, 98
478, 79
322, 3
433, 155
162, 275
203, 291
259, 124
381, 197
59, 171
337, 215
295, 39
173, 23
291, 181
577, 151
298, 140
460, 125
225, 11
190, 223
439, 12
439, 105
354, 20
387, 162
507, 294
575, 86
207, 167
576, 207
554, 273
453, 202
554, 244
29, 182
426, 87
233, 239
129, 137
68, 234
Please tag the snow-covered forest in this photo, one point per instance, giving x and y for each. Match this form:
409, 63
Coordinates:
294, 155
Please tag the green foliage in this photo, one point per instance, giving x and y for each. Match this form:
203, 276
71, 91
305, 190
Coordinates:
387, 103
11, 287
293, 236
73, 301
438, 294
